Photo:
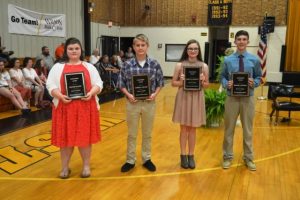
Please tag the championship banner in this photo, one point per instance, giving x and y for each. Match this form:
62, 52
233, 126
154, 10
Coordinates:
23, 21
219, 12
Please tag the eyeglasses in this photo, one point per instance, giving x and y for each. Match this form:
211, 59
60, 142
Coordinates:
192, 49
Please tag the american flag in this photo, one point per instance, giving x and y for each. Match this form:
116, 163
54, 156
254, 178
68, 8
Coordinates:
262, 51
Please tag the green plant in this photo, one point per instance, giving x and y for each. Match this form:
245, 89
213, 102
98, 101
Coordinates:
220, 63
215, 106
219, 68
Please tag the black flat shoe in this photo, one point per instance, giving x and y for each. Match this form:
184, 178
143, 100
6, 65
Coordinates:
25, 112
127, 167
150, 166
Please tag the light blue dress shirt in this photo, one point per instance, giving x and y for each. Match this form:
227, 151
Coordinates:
251, 65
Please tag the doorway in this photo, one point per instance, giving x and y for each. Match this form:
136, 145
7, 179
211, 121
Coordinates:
126, 42
218, 38
109, 45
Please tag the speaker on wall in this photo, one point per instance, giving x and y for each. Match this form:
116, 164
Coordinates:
282, 58
270, 23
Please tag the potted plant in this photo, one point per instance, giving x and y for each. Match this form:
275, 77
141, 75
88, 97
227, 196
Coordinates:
215, 107
220, 63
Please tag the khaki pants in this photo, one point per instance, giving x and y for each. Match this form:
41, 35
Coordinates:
245, 107
145, 111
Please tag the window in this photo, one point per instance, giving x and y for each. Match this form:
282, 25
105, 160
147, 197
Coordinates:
173, 52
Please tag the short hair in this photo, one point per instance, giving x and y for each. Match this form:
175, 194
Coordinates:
241, 32
44, 47
26, 60
141, 37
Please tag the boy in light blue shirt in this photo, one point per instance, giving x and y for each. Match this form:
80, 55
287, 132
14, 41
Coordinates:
240, 61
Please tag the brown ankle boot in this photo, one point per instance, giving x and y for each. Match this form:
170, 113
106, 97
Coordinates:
184, 161
191, 161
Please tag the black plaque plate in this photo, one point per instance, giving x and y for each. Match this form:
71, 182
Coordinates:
192, 78
141, 87
240, 85
75, 85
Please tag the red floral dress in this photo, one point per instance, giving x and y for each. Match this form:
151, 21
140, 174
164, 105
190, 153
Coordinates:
75, 123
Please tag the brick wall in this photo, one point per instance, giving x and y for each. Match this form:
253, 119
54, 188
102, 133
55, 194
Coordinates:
179, 12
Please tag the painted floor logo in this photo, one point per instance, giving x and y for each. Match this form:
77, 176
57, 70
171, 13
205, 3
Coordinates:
15, 160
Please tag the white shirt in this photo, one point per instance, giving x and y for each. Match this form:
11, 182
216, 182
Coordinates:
142, 63
53, 80
29, 73
94, 59
4, 77
15, 74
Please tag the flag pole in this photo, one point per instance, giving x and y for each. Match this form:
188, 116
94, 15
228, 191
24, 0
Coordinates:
262, 97
262, 54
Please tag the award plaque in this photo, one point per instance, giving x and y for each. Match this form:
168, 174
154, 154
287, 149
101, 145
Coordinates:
240, 86
192, 78
75, 86
140, 87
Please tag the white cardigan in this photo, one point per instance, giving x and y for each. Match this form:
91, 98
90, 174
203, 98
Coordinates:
53, 80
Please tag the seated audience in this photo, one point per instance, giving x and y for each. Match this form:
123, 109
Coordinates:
102, 65
121, 58
129, 54
18, 80
33, 81
41, 70
95, 57
114, 69
5, 54
9, 92
48, 59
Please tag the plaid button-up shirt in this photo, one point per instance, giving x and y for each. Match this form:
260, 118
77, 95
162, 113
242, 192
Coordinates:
151, 68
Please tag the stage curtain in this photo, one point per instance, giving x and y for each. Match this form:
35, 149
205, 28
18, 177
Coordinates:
292, 62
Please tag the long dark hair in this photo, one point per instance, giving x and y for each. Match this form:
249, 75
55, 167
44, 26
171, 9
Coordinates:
185, 55
70, 41
12, 62
38, 67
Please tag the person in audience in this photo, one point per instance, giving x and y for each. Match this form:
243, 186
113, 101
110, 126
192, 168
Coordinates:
48, 59
103, 67
129, 54
5, 54
18, 80
95, 57
140, 109
240, 61
121, 58
114, 70
33, 81
40, 70
189, 109
75, 122
10, 92
59, 51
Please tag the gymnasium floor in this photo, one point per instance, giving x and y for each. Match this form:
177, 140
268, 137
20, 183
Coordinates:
30, 165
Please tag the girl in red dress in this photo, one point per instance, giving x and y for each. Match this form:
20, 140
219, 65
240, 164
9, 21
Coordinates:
75, 122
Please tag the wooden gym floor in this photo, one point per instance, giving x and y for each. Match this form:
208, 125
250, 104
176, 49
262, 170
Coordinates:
30, 165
